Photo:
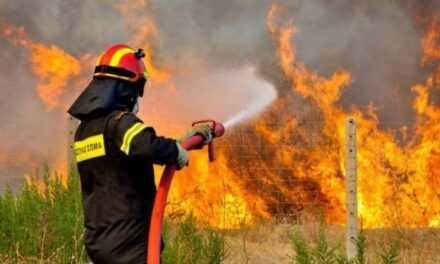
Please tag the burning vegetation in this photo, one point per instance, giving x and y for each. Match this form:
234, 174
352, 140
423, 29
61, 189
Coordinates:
290, 158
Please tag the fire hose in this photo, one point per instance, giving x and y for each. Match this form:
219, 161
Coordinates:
195, 142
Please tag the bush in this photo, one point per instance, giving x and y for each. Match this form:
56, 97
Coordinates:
389, 254
185, 243
319, 251
43, 223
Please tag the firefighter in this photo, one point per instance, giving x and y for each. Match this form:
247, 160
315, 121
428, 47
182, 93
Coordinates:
115, 152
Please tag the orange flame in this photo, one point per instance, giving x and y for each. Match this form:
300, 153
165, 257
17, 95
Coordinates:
52, 66
145, 33
431, 47
396, 183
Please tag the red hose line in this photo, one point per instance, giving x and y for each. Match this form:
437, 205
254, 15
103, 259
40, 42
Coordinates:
154, 238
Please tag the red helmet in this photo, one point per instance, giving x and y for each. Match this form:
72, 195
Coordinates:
124, 63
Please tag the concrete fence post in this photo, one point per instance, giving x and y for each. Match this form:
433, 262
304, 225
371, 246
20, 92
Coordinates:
352, 230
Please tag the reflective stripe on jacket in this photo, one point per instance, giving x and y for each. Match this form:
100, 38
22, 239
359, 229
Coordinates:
115, 156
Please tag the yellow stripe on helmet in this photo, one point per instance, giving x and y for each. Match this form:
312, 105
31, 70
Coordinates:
116, 59
129, 135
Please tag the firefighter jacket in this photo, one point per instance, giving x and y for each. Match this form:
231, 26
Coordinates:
115, 154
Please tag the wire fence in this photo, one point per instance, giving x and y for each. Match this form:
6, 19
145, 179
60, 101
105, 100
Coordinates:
259, 165
303, 170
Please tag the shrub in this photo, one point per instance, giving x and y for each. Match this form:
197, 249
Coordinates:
185, 243
319, 251
43, 223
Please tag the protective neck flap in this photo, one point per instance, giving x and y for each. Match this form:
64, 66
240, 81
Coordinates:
98, 99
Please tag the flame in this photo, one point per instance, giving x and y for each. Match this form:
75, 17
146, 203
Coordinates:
53, 67
431, 49
145, 32
209, 191
397, 183
430, 42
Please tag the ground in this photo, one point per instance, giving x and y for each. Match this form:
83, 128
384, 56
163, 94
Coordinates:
271, 243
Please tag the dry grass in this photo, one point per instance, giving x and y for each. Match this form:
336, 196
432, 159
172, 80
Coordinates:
271, 243
267, 243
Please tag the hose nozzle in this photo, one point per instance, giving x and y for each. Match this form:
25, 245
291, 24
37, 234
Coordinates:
217, 130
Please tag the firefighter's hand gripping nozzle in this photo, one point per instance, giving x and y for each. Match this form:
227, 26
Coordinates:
196, 141
217, 130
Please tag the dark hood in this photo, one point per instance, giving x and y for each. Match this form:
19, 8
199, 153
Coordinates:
101, 97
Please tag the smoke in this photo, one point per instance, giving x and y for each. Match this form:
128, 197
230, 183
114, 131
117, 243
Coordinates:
219, 33
377, 41
31, 135
77, 26
87, 27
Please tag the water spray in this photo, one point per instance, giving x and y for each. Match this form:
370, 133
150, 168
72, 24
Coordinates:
265, 97
195, 142
266, 94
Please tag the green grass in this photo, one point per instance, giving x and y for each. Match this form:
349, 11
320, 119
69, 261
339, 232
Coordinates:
186, 243
43, 223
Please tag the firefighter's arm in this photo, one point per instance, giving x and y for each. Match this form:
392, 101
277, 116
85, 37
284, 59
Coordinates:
138, 140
